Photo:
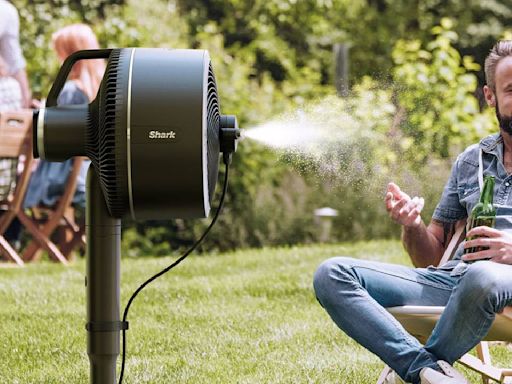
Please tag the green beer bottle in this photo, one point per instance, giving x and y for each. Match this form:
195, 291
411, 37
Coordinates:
483, 213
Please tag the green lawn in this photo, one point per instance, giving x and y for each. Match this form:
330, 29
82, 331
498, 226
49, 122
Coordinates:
242, 317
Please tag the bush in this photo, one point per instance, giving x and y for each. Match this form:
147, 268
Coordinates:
435, 89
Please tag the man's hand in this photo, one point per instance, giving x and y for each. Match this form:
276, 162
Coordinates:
498, 242
401, 208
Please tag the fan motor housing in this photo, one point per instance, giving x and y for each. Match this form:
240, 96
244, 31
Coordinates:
152, 133
167, 142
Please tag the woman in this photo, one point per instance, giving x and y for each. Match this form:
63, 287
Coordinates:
49, 179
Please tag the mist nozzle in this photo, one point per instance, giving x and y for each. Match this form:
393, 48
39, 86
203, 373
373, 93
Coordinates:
229, 135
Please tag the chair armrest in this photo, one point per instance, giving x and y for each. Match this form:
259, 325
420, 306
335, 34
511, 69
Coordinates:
415, 310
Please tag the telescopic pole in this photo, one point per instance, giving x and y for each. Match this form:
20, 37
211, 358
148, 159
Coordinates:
103, 284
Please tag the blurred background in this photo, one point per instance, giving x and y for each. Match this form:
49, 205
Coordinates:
392, 85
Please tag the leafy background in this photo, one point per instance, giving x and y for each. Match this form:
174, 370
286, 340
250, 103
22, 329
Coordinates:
414, 101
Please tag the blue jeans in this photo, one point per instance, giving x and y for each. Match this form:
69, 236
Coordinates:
356, 292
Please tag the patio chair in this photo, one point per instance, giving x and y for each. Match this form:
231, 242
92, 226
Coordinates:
420, 321
15, 145
42, 222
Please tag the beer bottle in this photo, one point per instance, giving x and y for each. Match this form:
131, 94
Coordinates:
483, 213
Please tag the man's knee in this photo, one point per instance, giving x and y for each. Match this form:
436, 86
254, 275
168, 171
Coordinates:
487, 282
329, 274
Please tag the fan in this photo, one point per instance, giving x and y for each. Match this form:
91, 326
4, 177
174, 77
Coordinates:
154, 135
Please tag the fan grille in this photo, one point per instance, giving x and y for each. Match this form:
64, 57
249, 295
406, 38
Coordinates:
101, 144
106, 143
213, 122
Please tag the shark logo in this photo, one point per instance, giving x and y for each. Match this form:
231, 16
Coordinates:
162, 135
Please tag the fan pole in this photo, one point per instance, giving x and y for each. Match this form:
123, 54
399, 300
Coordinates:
103, 284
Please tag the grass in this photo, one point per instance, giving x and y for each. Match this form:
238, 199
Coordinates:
242, 317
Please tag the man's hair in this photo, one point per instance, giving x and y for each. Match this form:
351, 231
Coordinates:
501, 49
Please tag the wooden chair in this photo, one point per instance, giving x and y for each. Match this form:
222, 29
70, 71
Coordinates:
15, 144
420, 321
44, 221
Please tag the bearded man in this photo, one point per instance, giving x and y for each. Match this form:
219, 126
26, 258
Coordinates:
472, 287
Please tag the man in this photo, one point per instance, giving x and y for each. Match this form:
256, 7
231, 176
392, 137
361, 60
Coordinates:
355, 292
10, 48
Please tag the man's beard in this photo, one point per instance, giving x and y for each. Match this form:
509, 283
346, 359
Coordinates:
504, 121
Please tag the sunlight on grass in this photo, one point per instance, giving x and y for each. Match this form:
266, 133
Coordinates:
241, 317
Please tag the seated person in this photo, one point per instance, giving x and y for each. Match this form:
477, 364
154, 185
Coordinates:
356, 292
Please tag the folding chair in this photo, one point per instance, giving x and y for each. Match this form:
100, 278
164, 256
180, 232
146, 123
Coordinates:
15, 144
44, 221
419, 321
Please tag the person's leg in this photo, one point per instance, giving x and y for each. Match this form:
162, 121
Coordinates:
355, 293
482, 291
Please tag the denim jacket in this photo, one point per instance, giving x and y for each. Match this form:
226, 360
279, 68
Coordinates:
462, 191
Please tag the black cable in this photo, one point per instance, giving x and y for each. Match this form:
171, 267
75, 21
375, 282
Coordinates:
167, 269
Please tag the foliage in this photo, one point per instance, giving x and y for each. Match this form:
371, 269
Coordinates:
435, 89
411, 108
290, 40
293, 40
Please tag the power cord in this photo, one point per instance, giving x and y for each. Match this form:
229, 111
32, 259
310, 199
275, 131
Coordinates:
227, 160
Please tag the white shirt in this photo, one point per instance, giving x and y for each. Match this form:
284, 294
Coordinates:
10, 94
10, 49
